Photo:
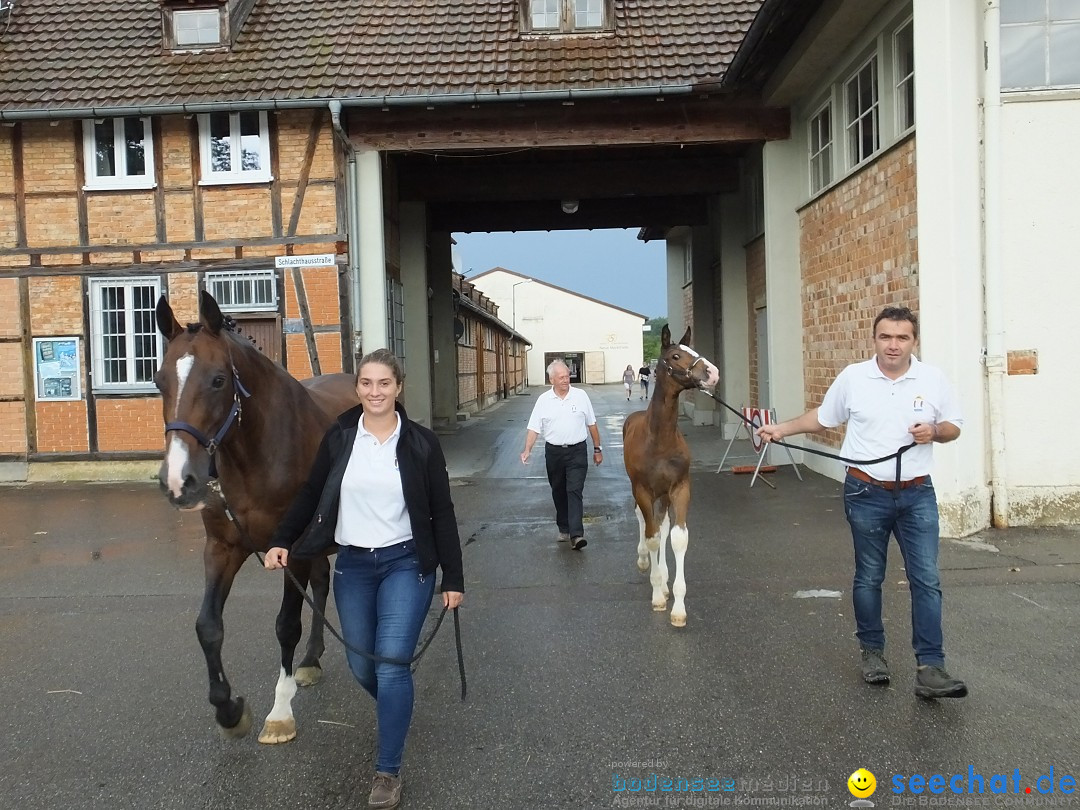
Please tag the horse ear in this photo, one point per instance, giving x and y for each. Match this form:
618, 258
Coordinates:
166, 321
685, 338
209, 313
665, 337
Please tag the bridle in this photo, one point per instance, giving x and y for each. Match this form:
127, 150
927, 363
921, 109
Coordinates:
235, 414
684, 375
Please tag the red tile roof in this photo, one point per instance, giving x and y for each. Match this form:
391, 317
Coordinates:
71, 54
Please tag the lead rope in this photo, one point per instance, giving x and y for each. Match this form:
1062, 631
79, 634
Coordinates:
897, 455
412, 663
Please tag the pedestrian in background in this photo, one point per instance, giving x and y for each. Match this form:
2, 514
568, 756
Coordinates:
563, 416
381, 494
628, 380
643, 375
889, 401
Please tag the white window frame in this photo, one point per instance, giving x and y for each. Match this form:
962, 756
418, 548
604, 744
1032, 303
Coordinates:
231, 278
1046, 27
900, 82
121, 180
568, 13
211, 177
395, 316
98, 336
853, 128
688, 260
194, 15
820, 179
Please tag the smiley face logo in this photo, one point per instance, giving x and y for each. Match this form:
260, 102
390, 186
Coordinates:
862, 783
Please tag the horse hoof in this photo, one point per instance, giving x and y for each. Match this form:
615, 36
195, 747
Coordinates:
308, 676
659, 606
278, 731
241, 728
678, 621
643, 566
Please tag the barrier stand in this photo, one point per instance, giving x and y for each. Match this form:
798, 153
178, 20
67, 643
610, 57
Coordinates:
757, 417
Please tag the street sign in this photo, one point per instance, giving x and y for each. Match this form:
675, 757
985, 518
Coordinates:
312, 260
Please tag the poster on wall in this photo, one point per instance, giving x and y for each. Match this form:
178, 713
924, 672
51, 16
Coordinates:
56, 369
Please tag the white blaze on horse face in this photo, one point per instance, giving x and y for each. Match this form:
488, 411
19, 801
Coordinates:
183, 369
175, 462
713, 371
177, 457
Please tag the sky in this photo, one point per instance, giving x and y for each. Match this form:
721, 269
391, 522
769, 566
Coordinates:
613, 266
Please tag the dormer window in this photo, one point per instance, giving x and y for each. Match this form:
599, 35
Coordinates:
204, 27
567, 16
197, 28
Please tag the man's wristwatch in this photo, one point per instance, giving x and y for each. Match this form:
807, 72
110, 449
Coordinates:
598, 449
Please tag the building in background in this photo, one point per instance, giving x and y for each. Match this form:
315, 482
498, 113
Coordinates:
490, 355
597, 340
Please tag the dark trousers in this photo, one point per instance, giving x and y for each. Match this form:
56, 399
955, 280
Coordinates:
566, 469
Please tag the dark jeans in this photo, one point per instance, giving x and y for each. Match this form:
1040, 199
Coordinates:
875, 513
382, 600
566, 469
644, 387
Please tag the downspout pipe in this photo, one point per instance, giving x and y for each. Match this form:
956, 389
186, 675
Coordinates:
352, 205
993, 286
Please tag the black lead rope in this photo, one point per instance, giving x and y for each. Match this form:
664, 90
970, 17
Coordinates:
378, 659
897, 455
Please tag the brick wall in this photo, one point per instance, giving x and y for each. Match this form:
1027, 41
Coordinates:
755, 298
56, 307
62, 427
129, 424
50, 156
13, 427
859, 253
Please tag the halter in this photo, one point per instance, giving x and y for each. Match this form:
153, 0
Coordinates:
679, 372
235, 414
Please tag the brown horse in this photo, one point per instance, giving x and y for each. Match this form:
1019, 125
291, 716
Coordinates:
657, 460
239, 429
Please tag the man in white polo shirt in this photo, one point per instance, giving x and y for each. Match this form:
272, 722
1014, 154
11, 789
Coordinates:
888, 402
563, 416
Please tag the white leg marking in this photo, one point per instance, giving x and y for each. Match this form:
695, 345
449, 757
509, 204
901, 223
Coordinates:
175, 462
663, 553
642, 549
283, 695
680, 539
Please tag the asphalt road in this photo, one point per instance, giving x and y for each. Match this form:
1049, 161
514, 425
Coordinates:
576, 687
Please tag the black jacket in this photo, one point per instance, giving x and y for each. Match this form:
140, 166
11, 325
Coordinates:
307, 529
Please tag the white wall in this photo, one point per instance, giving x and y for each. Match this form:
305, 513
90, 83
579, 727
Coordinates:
555, 320
1040, 246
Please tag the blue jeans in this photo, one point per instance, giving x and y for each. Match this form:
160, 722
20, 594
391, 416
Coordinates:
874, 513
566, 470
382, 599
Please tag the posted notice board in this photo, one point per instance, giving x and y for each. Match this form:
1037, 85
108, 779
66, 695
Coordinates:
57, 369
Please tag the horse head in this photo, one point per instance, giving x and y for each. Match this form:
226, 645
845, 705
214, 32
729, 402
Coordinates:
201, 396
685, 367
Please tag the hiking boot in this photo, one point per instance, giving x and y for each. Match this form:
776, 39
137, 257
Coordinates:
578, 543
564, 537
935, 682
385, 790
875, 669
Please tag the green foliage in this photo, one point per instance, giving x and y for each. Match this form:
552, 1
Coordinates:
650, 341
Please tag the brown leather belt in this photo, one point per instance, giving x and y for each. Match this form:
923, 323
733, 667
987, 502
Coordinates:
855, 472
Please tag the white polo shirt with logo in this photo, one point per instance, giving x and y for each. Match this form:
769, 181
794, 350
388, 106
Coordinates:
564, 420
880, 411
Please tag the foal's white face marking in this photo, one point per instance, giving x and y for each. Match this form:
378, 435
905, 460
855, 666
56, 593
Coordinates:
177, 457
713, 371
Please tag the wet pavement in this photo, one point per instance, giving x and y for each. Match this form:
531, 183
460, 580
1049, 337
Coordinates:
576, 687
